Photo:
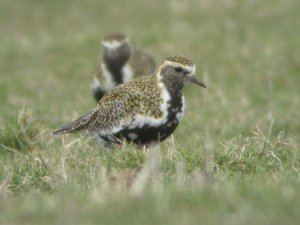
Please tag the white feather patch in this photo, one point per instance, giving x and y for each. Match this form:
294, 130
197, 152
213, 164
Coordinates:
127, 73
112, 44
179, 116
183, 107
109, 84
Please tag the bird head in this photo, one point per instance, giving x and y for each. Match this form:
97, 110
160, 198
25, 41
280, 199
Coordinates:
115, 43
178, 68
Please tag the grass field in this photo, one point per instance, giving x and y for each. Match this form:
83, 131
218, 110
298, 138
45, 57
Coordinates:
234, 159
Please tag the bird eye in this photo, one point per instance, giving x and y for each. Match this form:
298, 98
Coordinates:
178, 69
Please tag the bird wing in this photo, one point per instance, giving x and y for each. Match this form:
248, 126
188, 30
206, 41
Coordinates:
135, 103
109, 114
125, 105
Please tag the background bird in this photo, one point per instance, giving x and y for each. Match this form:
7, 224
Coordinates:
144, 111
119, 63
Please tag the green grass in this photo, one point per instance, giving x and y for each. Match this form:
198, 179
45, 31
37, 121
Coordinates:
234, 159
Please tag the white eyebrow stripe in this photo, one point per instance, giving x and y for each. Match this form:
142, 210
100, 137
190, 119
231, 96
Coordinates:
113, 44
191, 69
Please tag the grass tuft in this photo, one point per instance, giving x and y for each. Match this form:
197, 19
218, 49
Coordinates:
22, 135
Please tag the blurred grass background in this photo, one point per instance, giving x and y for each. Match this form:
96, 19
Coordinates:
228, 162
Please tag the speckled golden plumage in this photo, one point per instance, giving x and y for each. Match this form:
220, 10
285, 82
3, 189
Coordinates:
180, 59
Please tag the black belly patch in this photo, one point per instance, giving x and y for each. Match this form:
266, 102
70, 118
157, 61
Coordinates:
147, 134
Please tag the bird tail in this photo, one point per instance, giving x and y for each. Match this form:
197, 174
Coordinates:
79, 124
66, 128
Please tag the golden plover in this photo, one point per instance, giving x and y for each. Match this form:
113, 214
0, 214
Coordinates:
120, 63
144, 111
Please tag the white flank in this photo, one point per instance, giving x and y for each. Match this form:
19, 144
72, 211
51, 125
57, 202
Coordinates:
141, 120
115, 129
109, 84
127, 73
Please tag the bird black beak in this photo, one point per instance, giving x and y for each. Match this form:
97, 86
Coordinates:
191, 78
